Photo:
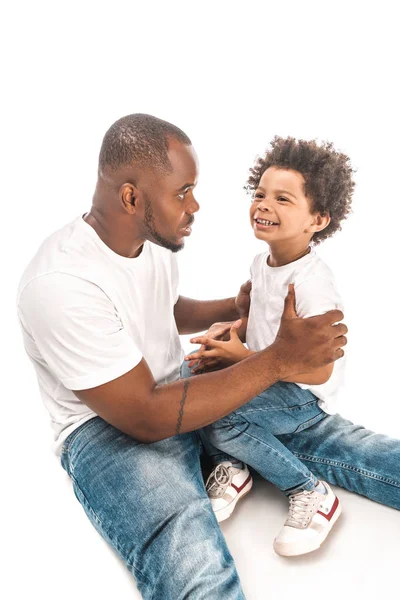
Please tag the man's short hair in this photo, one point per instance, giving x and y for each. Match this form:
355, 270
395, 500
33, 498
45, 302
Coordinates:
141, 140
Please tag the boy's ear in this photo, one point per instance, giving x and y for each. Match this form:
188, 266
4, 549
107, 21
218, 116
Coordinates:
128, 195
319, 222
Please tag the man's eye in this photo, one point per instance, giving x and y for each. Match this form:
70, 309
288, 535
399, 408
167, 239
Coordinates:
182, 195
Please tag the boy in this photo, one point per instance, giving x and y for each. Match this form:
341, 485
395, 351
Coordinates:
301, 192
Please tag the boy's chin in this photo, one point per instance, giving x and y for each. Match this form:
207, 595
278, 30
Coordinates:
264, 236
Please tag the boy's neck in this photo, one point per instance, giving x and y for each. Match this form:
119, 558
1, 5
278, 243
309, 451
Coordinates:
280, 255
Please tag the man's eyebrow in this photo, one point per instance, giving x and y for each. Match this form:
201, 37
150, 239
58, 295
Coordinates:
186, 186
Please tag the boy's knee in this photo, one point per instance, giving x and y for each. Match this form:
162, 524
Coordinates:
220, 432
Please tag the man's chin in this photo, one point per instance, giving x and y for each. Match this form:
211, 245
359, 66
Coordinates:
177, 247
167, 244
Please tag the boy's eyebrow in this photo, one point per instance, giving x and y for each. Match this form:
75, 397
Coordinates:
285, 192
260, 187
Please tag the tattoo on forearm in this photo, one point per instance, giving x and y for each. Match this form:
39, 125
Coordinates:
185, 389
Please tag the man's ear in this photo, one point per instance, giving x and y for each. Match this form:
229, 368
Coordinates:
319, 222
127, 195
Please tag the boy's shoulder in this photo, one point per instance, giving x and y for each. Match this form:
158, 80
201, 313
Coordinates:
309, 266
313, 267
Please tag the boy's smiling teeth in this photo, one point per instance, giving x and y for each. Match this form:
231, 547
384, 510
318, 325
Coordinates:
265, 222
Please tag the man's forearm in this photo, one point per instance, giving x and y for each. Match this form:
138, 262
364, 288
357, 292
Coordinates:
189, 404
192, 316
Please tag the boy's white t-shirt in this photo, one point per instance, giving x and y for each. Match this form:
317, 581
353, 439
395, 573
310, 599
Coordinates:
315, 294
89, 315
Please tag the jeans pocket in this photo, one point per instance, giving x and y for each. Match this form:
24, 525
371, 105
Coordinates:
310, 422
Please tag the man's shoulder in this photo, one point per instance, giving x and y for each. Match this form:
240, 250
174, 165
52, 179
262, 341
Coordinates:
64, 252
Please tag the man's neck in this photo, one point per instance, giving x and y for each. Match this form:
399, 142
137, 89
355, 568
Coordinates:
121, 244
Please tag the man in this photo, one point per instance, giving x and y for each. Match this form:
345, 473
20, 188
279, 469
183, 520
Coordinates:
100, 316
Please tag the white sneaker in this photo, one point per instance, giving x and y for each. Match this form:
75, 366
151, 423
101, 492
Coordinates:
225, 486
311, 517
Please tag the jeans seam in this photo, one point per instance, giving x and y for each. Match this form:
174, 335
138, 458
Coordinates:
272, 449
342, 465
115, 545
72, 436
274, 408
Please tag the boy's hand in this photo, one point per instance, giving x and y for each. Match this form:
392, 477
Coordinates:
217, 331
229, 352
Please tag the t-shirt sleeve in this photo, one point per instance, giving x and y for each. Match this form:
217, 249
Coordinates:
76, 329
316, 296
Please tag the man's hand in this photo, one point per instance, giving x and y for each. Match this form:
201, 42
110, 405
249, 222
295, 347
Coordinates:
225, 352
310, 343
242, 300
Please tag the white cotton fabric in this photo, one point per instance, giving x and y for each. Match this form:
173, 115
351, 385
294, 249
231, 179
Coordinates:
315, 294
89, 315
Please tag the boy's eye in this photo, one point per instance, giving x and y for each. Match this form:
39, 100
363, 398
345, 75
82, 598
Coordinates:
257, 197
283, 199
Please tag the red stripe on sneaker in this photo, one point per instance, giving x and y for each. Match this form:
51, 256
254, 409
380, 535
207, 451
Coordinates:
332, 512
239, 489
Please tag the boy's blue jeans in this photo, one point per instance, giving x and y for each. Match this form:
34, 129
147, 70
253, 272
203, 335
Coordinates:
284, 435
148, 500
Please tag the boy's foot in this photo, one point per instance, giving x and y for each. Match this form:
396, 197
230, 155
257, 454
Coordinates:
225, 486
311, 517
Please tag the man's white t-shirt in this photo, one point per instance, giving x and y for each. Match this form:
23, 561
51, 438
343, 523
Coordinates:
315, 294
89, 315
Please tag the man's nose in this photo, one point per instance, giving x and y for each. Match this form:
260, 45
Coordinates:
193, 206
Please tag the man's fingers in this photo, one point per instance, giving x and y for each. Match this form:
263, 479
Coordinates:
340, 329
332, 317
289, 310
205, 365
246, 287
341, 341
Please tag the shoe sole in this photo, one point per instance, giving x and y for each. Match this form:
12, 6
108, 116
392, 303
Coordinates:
311, 545
225, 513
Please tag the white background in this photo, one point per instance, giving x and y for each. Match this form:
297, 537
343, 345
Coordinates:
231, 75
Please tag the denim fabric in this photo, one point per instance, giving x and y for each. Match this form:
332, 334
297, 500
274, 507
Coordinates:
149, 503
351, 457
248, 434
284, 435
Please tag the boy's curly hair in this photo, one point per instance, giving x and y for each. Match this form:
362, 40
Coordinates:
327, 174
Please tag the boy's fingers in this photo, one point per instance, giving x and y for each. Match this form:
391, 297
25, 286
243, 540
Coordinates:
203, 354
234, 329
206, 341
289, 310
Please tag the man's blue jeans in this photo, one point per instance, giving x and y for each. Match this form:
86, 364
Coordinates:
149, 503
289, 440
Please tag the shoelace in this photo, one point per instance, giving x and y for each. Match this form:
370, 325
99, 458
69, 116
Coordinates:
218, 481
302, 507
